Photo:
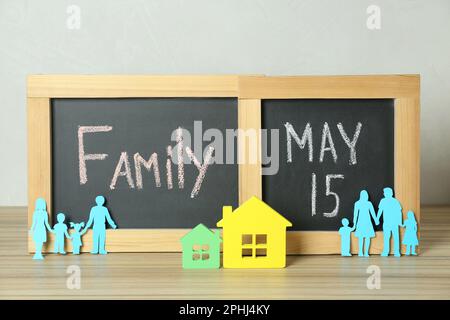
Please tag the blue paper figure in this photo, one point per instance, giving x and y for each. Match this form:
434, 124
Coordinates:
98, 216
60, 231
76, 237
363, 224
410, 237
391, 210
39, 227
345, 232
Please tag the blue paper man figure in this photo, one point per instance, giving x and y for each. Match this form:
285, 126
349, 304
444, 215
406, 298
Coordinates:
60, 231
98, 216
391, 210
410, 237
345, 232
363, 224
76, 237
39, 227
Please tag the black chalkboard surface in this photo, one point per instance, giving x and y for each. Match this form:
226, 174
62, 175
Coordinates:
141, 126
290, 191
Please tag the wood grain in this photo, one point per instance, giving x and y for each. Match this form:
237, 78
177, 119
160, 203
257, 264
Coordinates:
160, 276
407, 154
123, 86
249, 118
39, 153
364, 86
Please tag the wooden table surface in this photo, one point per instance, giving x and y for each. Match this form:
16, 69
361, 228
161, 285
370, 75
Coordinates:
160, 276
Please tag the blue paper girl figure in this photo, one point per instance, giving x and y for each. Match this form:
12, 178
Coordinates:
391, 210
410, 237
39, 227
345, 232
76, 237
363, 224
60, 231
98, 216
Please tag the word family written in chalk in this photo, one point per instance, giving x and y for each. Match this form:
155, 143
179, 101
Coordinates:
327, 148
124, 169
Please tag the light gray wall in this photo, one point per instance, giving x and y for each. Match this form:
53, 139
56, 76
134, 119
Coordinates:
270, 37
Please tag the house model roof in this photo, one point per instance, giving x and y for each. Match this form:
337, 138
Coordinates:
256, 208
201, 231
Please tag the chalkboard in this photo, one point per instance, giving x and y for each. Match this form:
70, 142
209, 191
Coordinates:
144, 126
291, 190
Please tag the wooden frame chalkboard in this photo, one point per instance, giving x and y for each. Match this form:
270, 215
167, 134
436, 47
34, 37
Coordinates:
249, 90
43, 88
404, 89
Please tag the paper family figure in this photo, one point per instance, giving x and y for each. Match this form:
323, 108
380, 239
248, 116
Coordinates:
98, 217
391, 211
76, 237
362, 223
201, 248
345, 232
60, 231
39, 227
254, 236
410, 237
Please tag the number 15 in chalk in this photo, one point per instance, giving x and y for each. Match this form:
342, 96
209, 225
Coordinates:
328, 192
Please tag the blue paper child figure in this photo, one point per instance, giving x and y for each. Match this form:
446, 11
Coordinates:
345, 232
410, 237
76, 237
363, 224
39, 227
60, 231
391, 210
98, 216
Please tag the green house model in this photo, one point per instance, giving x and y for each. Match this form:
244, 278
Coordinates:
201, 248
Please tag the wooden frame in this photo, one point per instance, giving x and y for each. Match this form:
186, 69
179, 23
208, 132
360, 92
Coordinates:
404, 89
42, 88
250, 90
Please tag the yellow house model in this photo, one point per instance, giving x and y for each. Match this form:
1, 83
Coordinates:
254, 236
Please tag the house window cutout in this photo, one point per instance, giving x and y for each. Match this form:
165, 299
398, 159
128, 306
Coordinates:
247, 253
261, 239
254, 245
261, 252
247, 239
200, 252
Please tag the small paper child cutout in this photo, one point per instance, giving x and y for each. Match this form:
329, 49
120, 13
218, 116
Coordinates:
345, 232
76, 237
410, 238
60, 230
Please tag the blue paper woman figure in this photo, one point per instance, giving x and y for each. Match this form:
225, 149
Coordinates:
363, 224
410, 238
39, 227
98, 216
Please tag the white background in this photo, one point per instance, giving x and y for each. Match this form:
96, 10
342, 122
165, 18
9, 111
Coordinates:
226, 37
